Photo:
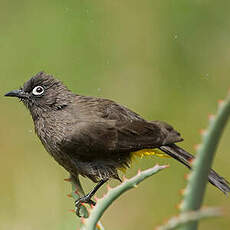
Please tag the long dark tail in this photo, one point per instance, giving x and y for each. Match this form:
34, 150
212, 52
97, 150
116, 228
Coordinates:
185, 158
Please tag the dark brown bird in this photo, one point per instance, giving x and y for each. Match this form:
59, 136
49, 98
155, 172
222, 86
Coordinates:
94, 137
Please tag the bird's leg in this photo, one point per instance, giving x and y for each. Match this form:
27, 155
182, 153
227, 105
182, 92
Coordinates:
87, 197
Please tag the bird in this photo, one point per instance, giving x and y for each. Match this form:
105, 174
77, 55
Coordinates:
95, 137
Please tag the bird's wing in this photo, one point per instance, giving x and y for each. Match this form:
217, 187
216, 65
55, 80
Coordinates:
106, 137
93, 107
136, 135
90, 137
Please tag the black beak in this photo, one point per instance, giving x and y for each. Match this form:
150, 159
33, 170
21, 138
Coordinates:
16, 93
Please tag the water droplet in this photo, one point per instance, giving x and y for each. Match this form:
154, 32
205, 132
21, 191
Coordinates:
205, 76
175, 36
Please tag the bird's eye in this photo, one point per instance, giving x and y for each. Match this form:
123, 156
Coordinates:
38, 90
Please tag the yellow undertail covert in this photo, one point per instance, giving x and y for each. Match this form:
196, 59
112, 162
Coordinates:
146, 153
149, 152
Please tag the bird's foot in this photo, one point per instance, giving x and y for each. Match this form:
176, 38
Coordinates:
85, 199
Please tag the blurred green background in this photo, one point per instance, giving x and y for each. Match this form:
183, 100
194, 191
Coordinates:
167, 60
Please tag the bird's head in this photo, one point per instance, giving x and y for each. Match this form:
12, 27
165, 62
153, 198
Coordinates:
43, 93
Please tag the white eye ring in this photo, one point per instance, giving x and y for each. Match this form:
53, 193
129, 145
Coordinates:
38, 90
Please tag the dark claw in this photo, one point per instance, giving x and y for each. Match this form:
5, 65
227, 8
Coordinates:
85, 199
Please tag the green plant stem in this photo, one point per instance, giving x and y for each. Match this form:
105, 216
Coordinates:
114, 193
198, 179
77, 190
187, 217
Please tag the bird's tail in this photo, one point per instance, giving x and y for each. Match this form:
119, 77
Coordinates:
185, 158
